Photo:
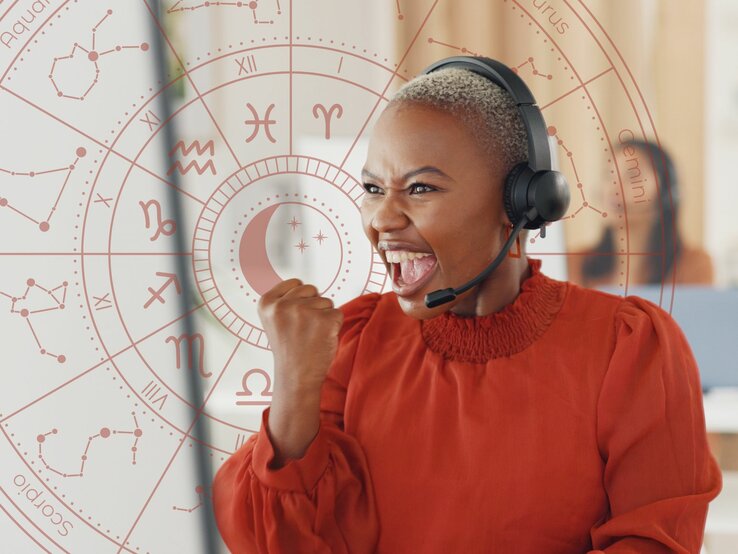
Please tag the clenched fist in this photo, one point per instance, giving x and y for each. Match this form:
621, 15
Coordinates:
302, 328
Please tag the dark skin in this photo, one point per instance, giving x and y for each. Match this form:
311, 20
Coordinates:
457, 212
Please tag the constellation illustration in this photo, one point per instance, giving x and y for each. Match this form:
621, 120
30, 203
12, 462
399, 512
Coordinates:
93, 55
183, 6
400, 15
461, 49
533, 69
104, 433
43, 224
201, 494
57, 296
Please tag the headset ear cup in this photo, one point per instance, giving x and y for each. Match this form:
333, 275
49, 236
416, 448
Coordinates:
513, 212
550, 195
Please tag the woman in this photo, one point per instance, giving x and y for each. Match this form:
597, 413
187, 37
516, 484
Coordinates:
653, 226
527, 415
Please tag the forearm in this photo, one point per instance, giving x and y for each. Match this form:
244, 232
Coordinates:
294, 420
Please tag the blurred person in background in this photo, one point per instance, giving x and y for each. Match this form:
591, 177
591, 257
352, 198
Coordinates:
652, 227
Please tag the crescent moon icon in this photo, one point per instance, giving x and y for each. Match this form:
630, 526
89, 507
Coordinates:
252, 253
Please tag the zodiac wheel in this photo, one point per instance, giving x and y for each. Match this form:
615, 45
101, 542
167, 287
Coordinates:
269, 137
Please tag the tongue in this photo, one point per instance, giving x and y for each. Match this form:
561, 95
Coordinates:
413, 270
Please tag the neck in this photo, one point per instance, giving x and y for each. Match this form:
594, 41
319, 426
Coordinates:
639, 234
497, 291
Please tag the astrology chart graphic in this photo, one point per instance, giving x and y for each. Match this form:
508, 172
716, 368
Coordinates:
273, 103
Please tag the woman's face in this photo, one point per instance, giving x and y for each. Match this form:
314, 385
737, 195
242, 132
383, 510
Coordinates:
430, 186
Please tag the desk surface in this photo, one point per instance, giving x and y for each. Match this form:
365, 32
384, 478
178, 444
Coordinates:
721, 410
722, 513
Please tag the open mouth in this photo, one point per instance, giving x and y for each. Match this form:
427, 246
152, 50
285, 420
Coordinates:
411, 271
408, 276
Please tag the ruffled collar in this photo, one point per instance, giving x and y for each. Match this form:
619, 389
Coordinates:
478, 339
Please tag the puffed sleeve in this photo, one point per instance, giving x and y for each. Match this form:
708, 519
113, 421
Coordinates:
659, 472
321, 503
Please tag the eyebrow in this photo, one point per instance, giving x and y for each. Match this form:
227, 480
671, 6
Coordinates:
409, 174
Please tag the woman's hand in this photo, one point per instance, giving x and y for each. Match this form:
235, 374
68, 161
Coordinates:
302, 328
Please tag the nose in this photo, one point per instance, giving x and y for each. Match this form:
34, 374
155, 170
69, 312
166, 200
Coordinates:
387, 214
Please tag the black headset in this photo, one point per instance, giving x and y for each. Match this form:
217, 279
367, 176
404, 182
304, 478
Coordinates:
534, 194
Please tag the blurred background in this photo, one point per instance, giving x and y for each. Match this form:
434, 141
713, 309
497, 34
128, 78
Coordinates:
163, 164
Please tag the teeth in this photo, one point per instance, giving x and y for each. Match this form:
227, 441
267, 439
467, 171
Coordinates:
397, 256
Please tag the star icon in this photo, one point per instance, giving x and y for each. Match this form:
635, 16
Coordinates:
320, 237
302, 246
294, 223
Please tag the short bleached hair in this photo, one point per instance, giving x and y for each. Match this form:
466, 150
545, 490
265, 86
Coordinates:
486, 108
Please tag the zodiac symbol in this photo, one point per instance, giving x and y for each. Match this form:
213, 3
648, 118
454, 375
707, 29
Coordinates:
247, 392
209, 146
320, 108
156, 295
165, 227
190, 341
258, 123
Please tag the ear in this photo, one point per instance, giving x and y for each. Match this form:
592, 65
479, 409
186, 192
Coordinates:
504, 218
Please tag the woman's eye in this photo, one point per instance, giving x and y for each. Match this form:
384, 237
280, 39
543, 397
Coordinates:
369, 187
422, 185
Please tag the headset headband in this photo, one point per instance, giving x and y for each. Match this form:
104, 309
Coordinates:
539, 154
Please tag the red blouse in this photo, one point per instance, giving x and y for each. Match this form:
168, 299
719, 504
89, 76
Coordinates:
569, 422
